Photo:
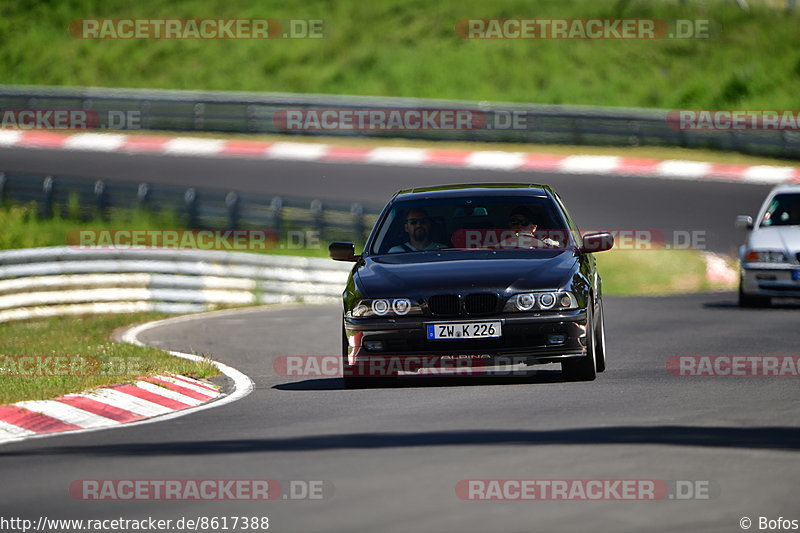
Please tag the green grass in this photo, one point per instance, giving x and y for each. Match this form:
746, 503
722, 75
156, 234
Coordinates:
98, 360
653, 272
409, 48
23, 228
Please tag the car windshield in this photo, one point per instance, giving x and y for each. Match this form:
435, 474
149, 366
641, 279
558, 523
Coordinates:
471, 223
783, 210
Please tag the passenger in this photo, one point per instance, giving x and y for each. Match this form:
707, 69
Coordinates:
523, 225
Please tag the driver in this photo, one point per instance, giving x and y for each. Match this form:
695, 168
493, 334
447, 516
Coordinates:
418, 227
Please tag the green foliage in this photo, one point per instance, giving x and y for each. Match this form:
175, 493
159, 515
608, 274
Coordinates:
409, 48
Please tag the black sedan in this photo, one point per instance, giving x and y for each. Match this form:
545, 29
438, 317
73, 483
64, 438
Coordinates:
473, 277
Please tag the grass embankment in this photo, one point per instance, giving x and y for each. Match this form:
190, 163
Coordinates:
410, 48
95, 361
653, 272
23, 228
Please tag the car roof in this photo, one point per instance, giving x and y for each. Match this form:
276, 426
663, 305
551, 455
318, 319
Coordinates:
785, 188
472, 189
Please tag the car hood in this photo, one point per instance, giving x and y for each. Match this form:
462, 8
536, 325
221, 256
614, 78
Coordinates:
422, 274
784, 238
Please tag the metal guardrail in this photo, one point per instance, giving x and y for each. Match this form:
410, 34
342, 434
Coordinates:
41, 282
197, 208
255, 112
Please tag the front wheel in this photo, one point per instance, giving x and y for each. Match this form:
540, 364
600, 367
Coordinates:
600, 340
751, 300
584, 368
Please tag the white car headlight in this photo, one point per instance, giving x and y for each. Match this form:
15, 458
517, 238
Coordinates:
765, 256
541, 301
380, 307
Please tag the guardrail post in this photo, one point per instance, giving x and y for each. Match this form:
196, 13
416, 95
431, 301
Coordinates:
190, 201
100, 199
47, 200
199, 114
276, 205
232, 203
3, 182
142, 195
318, 217
357, 212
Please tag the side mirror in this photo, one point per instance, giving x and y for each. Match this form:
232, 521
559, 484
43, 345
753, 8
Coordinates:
597, 242
343, 251
744, 222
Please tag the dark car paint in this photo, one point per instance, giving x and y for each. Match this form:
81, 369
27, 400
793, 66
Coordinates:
419, 275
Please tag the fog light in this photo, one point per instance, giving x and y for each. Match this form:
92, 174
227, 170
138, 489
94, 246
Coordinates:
556, 339
373, 346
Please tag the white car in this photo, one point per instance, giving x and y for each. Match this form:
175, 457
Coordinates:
770, 259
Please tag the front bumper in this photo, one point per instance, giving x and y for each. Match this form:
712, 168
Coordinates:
771, 280
525, 339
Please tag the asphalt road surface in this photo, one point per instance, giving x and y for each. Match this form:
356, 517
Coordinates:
705, 209
393, 456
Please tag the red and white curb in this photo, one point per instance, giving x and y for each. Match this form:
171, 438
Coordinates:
149, 399
400, 156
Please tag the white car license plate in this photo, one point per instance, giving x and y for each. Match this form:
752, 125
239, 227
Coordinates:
464, 330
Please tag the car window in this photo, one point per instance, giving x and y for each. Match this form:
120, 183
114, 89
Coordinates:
470, 224
783, 210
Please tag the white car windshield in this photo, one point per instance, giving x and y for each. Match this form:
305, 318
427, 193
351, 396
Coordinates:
783, 210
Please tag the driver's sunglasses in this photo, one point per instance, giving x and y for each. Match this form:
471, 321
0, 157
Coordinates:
415, 221
519, 222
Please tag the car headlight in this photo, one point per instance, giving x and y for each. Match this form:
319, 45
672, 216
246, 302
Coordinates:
386, 307
765, 256
541, 301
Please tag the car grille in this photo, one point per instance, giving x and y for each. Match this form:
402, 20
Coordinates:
444, 304
476, 304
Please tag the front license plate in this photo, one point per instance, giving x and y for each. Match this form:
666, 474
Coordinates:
466, 330
796, 274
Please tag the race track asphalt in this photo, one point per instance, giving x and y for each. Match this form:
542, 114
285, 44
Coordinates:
394, 455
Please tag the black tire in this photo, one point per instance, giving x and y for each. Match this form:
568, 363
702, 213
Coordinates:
600, 340
583, 368
750, 300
